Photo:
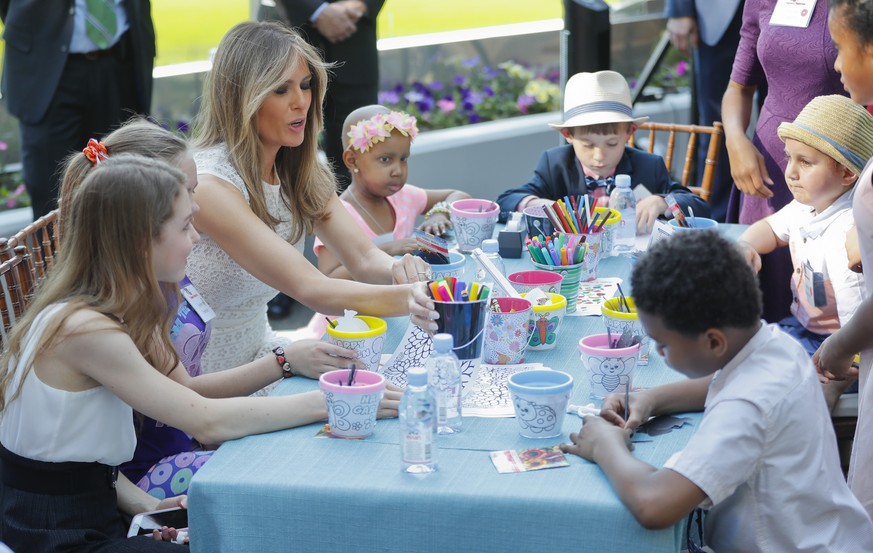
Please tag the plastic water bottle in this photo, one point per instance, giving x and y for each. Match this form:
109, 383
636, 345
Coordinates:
622, 200
444, 378
417, 413
491, 250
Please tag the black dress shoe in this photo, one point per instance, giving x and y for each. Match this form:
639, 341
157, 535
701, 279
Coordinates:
279, 307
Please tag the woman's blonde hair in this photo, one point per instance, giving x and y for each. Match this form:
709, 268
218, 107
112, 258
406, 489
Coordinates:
106, 262
250, 64
137, 136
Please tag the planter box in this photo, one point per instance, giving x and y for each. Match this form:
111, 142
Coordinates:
13, 220
487, 158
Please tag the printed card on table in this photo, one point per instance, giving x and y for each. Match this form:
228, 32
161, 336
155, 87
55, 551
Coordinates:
592, 294
524, 460
488, 395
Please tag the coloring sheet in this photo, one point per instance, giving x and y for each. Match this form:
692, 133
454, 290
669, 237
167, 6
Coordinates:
488, 395
592, 294
415, 347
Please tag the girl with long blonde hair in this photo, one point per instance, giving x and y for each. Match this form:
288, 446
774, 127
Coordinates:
92, 347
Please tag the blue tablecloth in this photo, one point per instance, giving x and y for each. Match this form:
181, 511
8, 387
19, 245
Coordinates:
292, 491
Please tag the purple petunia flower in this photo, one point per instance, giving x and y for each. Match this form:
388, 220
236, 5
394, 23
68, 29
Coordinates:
682, 68
490, 72
524, 102
182, 126
425, 104
474, 118
470, 62
469, 106
489, 92
475, 97
459, 80
3, 146
436, 85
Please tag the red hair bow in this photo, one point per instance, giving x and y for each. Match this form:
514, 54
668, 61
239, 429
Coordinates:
95, 151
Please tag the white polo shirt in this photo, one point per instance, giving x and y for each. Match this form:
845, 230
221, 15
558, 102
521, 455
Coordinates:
826, 293
766, 457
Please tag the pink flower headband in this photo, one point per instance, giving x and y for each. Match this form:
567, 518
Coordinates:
365, 134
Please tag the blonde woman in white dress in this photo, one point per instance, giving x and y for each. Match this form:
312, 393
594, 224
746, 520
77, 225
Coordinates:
262, 188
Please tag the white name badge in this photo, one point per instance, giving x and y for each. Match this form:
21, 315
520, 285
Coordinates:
197, 303
792, 13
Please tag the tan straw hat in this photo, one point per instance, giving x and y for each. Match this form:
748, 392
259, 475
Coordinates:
835, 126
597, 98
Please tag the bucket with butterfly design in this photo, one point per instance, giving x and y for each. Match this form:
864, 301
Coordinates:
545, 320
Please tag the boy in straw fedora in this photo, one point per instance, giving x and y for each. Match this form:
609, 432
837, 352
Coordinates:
827, 146
598, 121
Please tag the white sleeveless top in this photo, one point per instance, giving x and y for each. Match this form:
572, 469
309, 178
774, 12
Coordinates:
52, 425
240, 330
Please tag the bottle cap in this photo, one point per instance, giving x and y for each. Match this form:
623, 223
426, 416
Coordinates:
493, 246
443, 342
416, 376
622, 181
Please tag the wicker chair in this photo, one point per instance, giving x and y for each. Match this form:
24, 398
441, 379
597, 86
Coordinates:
41, 239
13, 298
716, 132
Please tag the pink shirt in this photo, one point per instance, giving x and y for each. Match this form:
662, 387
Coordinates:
408, 203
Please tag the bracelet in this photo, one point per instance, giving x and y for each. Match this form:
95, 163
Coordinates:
439, 207
279, 352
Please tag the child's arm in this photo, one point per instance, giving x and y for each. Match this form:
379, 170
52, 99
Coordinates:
757, 240
657, 498
331, 266
678, 397
436, 213
833, 360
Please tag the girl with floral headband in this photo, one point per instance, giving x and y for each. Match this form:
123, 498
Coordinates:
377, 143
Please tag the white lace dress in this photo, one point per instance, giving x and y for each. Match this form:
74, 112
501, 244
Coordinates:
240, 330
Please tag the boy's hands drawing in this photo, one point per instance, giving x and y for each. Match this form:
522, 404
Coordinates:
595, 431
639, 410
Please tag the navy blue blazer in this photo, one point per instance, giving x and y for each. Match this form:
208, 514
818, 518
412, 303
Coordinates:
37, 35
559, 173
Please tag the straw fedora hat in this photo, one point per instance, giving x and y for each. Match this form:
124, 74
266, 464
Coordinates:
835, 126
597, 98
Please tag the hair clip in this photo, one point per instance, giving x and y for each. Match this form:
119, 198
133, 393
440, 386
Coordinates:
365, 134
95, 151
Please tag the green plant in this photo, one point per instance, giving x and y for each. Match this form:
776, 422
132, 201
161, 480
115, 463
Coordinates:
466, 91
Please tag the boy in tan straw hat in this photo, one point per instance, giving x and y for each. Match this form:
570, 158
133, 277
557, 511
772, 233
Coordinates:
598, 121
827, 146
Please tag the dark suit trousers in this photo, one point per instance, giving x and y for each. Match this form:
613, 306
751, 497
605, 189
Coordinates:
92, 99
712, 72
